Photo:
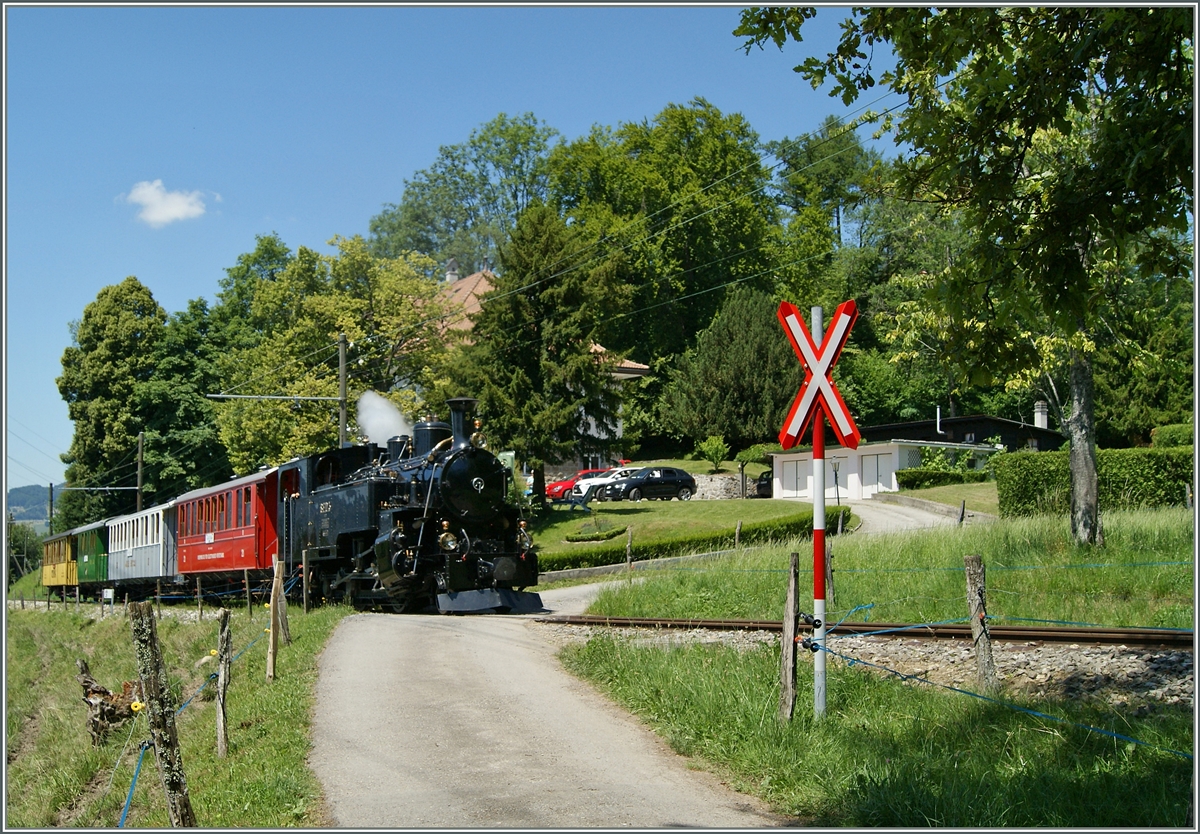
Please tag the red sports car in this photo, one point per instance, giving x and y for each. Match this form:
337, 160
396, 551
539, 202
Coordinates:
561, 489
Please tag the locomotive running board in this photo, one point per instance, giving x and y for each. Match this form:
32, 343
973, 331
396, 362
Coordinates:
488, 601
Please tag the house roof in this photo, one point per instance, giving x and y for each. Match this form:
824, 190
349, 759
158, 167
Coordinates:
466, 292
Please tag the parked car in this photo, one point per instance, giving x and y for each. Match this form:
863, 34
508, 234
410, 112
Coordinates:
764, 486
652, 482
561, 489
601, 480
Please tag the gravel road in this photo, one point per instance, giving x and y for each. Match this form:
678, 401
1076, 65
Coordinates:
470, 722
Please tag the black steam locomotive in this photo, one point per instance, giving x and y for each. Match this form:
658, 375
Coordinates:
425, 524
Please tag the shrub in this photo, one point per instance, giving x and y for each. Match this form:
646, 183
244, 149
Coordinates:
758, 453
596, 535
1032, 483
921, 478
1176, 434
585, 556
714, 450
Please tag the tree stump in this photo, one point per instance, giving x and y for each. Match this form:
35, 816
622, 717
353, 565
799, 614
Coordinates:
106, 709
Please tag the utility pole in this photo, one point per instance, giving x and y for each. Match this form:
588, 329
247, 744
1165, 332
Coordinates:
141, 435
50, 521
341, 390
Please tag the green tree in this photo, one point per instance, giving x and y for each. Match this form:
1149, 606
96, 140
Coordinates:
546, 390
24, 549
739, 379
1063, 136
465, 204
112, 353
685, 199
391, 315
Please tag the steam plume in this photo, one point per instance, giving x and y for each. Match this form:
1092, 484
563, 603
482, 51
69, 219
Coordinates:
379, 419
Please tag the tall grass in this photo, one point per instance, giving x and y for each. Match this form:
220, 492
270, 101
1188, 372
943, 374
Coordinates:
55, 776
891, 753
1143, 576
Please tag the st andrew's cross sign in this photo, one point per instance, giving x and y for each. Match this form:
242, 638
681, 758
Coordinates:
818, 390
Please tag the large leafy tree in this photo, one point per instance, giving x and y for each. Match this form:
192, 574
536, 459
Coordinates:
685, 198
1063, 136
112, 353
465, 204
545, 386
391, 316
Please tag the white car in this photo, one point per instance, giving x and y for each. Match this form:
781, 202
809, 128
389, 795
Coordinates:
581, 486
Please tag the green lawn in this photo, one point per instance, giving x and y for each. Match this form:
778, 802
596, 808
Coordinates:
980, 497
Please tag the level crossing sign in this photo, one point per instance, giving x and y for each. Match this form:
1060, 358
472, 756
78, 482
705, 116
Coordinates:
818, 391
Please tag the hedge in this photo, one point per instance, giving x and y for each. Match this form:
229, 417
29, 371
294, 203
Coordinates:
1031, 483
1176, 434
590, 556
921, 478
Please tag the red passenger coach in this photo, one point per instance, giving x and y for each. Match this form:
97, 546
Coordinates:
229, 527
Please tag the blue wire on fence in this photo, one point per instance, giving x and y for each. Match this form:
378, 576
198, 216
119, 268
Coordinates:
848, 613
902, 676
133, 784
907, 628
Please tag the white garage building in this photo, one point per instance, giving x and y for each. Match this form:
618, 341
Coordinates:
862, 472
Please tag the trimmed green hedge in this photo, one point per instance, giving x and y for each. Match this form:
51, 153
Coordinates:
1176, 434
590, 556
921, 478
1032, 483
597, 537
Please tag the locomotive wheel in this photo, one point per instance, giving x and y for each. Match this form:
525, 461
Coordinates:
635, 494
685, 494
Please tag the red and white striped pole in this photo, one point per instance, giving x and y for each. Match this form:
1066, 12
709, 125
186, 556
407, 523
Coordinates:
818, 482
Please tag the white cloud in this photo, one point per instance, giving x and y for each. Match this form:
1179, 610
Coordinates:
160, 207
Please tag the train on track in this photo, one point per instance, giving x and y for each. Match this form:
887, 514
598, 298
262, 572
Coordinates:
424, 523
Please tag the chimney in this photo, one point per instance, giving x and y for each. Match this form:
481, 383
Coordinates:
1041, 412
452, 270
460, 407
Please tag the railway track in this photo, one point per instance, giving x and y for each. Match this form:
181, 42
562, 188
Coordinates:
1140, 637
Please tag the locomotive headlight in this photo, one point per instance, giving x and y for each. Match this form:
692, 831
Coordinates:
478, 441
448, 541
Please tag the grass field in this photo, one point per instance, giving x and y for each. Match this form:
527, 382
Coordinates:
895, 754
980, 497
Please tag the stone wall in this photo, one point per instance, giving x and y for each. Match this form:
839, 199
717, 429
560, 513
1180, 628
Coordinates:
722, 486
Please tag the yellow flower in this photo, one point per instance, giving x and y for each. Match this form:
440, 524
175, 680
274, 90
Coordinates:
137, 706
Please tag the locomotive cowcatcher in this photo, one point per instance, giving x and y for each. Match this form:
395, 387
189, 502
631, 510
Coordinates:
425, 524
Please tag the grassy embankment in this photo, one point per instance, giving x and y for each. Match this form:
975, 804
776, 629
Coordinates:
980, 497
890, 753
56, 778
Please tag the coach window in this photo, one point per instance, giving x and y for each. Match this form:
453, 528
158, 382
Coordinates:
221, 519
246, 515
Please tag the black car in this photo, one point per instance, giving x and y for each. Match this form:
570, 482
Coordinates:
652, 482
764, 486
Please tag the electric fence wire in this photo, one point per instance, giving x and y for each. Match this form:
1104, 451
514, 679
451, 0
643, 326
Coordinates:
852, 661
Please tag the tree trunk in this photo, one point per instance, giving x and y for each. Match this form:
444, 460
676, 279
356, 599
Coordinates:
1081, 431
539, 484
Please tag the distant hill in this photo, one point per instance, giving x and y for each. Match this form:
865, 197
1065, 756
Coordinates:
30, 503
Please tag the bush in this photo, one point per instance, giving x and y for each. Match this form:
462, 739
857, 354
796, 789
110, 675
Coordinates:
1176, 434
1032, 483
758, 453
799, 524
921, 478
714, 450
596, 535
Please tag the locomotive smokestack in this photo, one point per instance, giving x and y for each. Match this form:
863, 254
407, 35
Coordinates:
460, 407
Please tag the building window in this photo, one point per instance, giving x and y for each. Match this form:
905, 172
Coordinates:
970, 438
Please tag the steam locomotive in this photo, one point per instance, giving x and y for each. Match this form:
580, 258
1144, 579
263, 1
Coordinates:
427, 523
424, 524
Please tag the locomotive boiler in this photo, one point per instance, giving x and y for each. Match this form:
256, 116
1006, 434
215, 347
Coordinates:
423, 524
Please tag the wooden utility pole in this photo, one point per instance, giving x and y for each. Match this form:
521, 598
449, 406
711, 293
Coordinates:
787, 645
273, 625
224, 655
141, 437
246, 582
341, 390
977, 606
161, 715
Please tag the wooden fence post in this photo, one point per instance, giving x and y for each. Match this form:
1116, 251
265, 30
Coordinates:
161, 715
224, 654
737, 536
126, 605
977, 606
273, 627
246, 582
158, 596
199, 600
629, 550
962, 513
76, 599
285, 633
787, 646
22, 600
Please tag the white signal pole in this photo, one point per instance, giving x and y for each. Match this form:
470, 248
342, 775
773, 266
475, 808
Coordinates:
818, 480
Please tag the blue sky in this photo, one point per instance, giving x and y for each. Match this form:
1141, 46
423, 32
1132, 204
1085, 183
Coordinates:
157, 142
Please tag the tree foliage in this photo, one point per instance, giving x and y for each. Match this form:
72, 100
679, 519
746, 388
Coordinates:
544, 383
464, 205
1063, 136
